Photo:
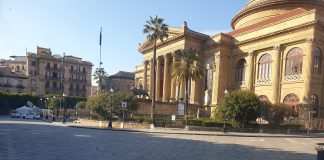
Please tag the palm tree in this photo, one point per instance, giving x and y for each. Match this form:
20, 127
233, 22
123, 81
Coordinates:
100, 75
155, 30
187, 67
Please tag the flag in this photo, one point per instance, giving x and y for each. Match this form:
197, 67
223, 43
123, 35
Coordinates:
100, 39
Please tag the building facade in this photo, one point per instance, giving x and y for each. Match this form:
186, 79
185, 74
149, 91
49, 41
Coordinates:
122, 81
274, 50
52, 74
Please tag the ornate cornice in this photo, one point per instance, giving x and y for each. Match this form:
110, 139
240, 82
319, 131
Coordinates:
276, 34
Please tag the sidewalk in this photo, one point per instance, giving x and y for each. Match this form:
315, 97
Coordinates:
205, 133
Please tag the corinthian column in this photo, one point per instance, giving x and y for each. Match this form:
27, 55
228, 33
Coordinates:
151, 77
166, 79
158, 80
173, 81
145, 76
308, 68
250, 61
276, 74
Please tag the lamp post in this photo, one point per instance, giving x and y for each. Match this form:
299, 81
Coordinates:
110, 116
225, 113
306, 103
64, 109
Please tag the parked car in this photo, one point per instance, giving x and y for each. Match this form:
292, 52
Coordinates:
15, 114
31, 116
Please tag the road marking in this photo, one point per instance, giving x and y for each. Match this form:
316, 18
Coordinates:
313, 140
295, 141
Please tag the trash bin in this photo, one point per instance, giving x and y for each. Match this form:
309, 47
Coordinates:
320, 151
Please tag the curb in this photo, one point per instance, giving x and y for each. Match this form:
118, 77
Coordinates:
198, 134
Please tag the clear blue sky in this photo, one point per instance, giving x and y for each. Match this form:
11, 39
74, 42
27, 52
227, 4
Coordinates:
72, 26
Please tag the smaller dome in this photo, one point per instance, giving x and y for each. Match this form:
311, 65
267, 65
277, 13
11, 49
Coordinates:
258, 10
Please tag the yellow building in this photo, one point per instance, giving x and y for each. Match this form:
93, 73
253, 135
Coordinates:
51, 74
274, 50
121, 81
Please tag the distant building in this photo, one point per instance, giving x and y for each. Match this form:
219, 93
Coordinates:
94, 90
122, 81
12, 81
49, 74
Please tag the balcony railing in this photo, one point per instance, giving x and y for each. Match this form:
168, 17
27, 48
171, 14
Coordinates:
19, 86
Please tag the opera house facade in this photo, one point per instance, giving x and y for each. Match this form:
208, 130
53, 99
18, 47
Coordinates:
274, 50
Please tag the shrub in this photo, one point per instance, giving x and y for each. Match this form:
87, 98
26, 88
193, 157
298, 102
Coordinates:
275, 113
241, 106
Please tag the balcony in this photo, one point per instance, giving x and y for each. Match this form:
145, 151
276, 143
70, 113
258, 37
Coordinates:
77, 80
19, 86
7, 85
53, 69
53, 90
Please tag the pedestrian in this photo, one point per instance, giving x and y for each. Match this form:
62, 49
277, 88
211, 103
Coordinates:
53, 118
46, 117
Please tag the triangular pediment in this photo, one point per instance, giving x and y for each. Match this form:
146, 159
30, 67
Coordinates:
173, 32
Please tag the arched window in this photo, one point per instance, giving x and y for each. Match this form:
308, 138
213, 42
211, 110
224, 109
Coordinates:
265, 67
240, 71
294, 63
292, 101
317, 58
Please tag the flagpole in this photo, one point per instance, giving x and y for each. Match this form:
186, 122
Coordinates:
100, 46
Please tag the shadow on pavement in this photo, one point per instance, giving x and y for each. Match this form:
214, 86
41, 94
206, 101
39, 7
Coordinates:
37, 141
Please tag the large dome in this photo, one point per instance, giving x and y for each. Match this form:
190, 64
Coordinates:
258, 10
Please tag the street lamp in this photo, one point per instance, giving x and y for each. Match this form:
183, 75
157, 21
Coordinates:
225, 112
64, 111
110, 116
306, 103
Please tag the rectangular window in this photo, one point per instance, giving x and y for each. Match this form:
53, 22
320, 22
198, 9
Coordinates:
34, 82
55, 66
34, 63
48, 65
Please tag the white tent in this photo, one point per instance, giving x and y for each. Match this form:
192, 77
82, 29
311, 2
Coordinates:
24, 110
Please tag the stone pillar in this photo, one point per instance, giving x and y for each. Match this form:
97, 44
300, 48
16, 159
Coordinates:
145, 76
276, 79
151, 77
216, 79
250, 68
158, 79
166, 79
307, 72
173, 81
182, 89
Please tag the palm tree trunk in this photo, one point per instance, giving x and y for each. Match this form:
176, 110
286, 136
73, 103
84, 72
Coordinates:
187, 97
154, 84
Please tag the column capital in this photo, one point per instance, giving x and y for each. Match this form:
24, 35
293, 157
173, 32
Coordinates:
276, 47
251, 53
310, 40
218, 55
168, 55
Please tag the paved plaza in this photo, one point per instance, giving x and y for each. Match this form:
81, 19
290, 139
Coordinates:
37, 140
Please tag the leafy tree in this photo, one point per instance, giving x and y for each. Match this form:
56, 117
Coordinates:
81, 105
275, 113
99, 104
101, 76
53, 103
187, 67
71, 101
119, 97
241, 106
10, 101
155, 30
